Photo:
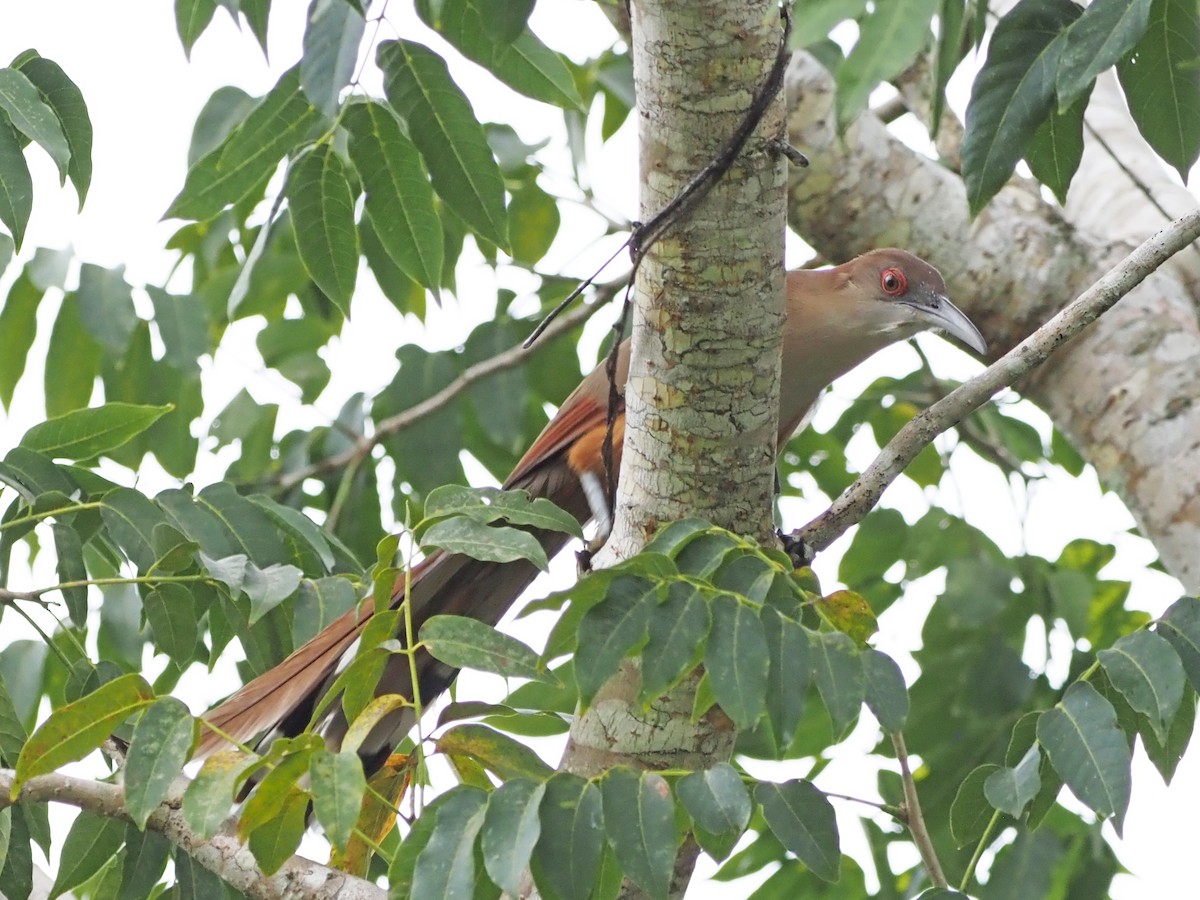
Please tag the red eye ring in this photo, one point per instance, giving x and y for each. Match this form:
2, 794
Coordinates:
893, 282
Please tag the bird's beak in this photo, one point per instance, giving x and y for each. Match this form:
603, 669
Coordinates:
940, 313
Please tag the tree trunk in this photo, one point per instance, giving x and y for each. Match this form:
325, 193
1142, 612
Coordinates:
703, 391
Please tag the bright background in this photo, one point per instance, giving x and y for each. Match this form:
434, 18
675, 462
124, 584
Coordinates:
143, 96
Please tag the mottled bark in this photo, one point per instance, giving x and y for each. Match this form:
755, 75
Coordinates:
703, 390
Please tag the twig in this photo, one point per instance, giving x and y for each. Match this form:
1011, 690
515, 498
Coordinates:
364, 444
857, 500
913, 818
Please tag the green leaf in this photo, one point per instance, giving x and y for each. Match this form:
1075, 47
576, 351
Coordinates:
716, 799
92, 841
404, 860
610, 630
5, 833
161, 744
31, 116
838, 671
75, 730
171, 613
970, 812
401, 291
886, 695
222, 112
519, 60
466, 536
445, 867
1101, 37
66, 100
317, 604
494, 751
12, 732
803, 820
16, 186
338, 786
87, 433
274, 842
322, 204
245, 523
69, 386
257, 13
819, 18
16, 872
196, 882
1089, 751
18, 327
1013, 93
209, 796
173, 550
142, 861
106, 307
68, 549
676, 632
467, 643
533, 221
399, 198
449, 137
130, 519
889, 38
281, 121
1010, 790
1167, 754
1162, 83
737, 660
948, 52
1056, 149
291, 758
182, 324
511, 828
1180, 625
489, 504
191, 18
331, 40
639, 817
566, 860
1026, 868
1146, 670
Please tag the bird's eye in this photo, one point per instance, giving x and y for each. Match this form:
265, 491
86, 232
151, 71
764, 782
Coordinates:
893, 282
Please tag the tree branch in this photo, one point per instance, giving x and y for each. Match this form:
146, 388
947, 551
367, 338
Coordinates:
862, 496
297, 879
913, 817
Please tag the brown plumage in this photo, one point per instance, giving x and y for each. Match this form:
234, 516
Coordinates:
836, 318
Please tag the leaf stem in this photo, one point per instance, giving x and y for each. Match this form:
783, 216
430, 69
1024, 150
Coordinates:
979, 848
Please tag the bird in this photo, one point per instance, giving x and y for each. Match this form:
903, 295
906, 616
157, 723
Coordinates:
835, 318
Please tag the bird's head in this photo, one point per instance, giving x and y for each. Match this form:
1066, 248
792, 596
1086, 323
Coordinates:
899, 295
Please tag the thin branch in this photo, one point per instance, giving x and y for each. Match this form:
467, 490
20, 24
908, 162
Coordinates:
913, 818
857, 500
363, 446
222, 854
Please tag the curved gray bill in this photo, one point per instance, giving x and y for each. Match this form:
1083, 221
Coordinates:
942, 314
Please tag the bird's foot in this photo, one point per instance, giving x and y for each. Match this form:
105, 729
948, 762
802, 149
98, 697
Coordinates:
797, 549
583, 561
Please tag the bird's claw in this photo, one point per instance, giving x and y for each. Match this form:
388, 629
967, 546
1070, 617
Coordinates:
583, 561
797, 549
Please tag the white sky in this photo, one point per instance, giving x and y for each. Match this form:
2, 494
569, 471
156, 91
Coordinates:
143, 97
